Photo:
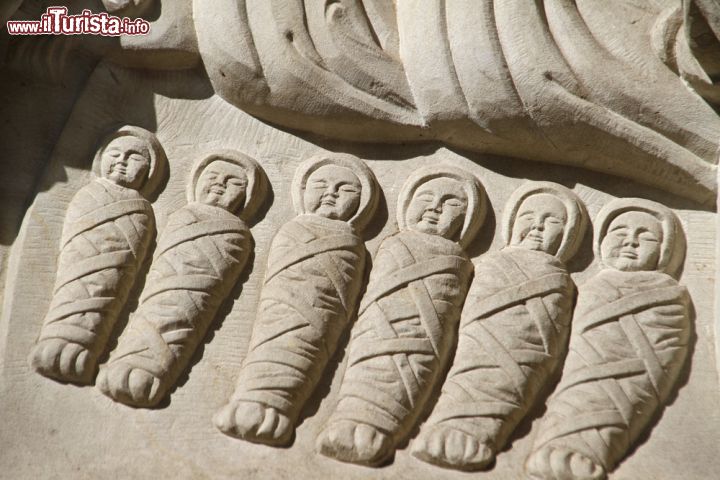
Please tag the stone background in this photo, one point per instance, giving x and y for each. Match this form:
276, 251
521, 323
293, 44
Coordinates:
52, 430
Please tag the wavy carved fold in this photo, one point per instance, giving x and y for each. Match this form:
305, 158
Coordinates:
509, 77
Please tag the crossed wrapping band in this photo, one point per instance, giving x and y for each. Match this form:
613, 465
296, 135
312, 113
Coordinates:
87, 321
416, 360
175, 310
605, 434
481, 351
300, 320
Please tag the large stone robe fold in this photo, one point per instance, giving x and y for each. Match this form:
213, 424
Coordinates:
198, 260
313, 278
513, 332
628, 345
532, 79
106, 235
406, 326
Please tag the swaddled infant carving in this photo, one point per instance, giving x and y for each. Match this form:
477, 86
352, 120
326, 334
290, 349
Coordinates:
513, 330
313, 278
108, 228
198, 260
628, 344
407, 318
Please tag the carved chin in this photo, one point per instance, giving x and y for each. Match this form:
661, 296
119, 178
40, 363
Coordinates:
533, 243
118, 178
630, 264
327, 211
428, 227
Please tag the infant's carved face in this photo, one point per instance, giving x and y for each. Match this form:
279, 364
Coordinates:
438, 207
222, 184
332, 192
632, 242
126, 161
540, 224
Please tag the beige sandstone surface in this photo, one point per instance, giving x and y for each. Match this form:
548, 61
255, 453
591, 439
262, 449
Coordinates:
53, 127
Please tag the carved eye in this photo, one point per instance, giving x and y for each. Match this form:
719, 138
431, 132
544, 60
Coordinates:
137, 158
620, 232
238, 182
648, 237
554, 221
318, 185
348, 189
114, 153
454, 202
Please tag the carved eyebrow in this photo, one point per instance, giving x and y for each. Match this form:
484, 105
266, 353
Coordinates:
618, 227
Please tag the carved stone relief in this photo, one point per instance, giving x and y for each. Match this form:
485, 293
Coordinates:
513, 330
198, 259
407, 317
415, 292
108, 228
407, 76
312, 281
629, 341
686, 37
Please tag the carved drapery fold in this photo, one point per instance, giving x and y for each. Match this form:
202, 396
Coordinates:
500, 77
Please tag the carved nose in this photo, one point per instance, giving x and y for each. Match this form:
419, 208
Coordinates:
631, 241
435, 207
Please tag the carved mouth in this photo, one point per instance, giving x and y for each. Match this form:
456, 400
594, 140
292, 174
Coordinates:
217, 190
534, 237
328, 202
431, 218
119, 168
630, 254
